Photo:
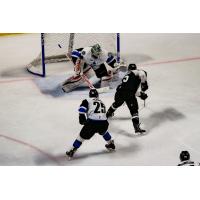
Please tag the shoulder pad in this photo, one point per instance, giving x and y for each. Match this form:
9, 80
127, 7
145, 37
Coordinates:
130, 72
83, 53
85, 101
145, 72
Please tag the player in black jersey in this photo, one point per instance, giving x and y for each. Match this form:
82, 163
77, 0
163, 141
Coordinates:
127, 92
185, 159
92, 115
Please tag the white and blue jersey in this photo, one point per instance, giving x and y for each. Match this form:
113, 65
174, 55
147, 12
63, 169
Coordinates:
86, 55
94, 109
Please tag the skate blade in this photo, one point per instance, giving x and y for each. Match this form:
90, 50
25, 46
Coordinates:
110, 150
103, 89
69, 158
140, 134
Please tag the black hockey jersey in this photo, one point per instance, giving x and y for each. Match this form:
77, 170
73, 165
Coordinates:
132, 80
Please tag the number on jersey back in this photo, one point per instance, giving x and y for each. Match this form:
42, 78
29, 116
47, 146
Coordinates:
96, 109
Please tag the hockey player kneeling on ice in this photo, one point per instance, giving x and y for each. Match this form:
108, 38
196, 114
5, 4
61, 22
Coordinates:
127, 92
85, 59
92, 114
185, 159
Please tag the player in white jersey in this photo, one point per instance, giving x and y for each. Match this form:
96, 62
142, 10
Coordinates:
90, 59
92, 114
185, 159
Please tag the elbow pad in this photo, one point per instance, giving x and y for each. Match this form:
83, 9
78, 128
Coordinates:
82, 119
144, 86
113, 64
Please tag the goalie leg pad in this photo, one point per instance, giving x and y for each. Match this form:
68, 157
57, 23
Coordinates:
75, 81
71, 83
105, 81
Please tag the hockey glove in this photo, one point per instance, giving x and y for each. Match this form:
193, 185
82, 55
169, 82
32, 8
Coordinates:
109, 114
143, 95
82, 119
144, 86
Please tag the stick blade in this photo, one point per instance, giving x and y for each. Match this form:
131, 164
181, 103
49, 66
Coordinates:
103, 89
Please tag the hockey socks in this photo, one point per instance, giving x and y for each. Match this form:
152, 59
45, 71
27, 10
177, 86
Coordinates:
107, 136
77, 144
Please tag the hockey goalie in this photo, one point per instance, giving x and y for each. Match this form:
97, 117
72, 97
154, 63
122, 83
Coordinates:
91, 59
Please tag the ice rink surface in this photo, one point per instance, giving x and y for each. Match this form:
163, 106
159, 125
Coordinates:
38, 123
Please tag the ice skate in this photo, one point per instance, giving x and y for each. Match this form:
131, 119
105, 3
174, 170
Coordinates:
136, 125
139, 131
110, 146
70, 153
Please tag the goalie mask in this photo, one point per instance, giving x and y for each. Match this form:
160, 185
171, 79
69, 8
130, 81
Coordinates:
184, 155
96, 50
93, 93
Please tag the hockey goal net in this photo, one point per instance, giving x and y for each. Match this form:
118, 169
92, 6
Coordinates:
56, 46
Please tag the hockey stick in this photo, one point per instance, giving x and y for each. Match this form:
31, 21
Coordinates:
141, 108
91, 86
85, 78
144, 106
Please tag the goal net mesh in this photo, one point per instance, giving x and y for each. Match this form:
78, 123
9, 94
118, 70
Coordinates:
57, 45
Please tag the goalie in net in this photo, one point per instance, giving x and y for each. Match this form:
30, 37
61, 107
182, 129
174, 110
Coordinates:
90, 59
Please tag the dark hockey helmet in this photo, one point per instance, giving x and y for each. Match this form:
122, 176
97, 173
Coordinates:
132, 67
184, 155
93, 93
96, 50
